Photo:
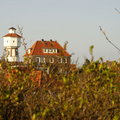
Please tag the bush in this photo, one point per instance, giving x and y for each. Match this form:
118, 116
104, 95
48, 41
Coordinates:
92, 92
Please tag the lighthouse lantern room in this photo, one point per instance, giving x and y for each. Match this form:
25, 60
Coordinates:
12, 41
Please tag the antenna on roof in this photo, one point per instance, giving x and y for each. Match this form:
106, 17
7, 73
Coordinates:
65, 45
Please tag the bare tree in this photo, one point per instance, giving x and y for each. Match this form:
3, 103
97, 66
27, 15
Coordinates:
4, 56
20, 30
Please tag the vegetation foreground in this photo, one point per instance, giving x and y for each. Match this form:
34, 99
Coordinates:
91, 92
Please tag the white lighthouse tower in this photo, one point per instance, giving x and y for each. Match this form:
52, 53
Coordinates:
12, 42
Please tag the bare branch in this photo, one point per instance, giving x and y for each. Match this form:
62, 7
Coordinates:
20, 30
109, 39
117, 10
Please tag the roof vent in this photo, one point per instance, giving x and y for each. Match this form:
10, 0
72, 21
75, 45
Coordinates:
45, 43
51, 40
42, 39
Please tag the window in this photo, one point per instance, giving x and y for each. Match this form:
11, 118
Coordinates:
51, 60
42, 59
60, 60
16, 51
37, 59
50, 50
13, 52
64, 60
58, 50
45, 50
55, 50
8, 52
13, 41
29, 51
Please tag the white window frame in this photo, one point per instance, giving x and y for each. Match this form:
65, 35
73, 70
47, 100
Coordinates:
29, 51
38, 59
64, 60
60, 60
45, 50
51, 60
55, 50
42, 59
50, 50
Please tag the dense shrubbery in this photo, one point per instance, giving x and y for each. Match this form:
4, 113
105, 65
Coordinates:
92, 92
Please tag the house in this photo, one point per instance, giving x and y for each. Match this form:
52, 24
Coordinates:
43, 52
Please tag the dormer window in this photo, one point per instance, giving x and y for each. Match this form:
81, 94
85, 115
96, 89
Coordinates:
45, 50
58, 50
55, 50
29, 50
49, 50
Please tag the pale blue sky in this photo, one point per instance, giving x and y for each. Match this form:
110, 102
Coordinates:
75, 21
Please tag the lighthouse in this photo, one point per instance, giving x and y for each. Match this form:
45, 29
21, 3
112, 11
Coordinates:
12, 41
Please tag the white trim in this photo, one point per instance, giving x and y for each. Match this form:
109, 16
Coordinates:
51, 60
49, 50
37, 59
60, 60
64, 60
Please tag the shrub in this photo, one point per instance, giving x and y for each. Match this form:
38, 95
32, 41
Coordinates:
91, 92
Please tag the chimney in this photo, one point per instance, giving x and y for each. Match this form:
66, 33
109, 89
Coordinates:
65, 45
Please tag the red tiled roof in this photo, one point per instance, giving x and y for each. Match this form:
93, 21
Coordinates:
12, 35
37, 48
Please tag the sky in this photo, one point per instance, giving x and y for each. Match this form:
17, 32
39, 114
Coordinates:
75, 21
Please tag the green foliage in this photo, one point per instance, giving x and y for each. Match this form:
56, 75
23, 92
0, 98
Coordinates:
92, 92
91, 52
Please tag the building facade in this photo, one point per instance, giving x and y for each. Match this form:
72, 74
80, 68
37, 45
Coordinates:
12, 42
43, 52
